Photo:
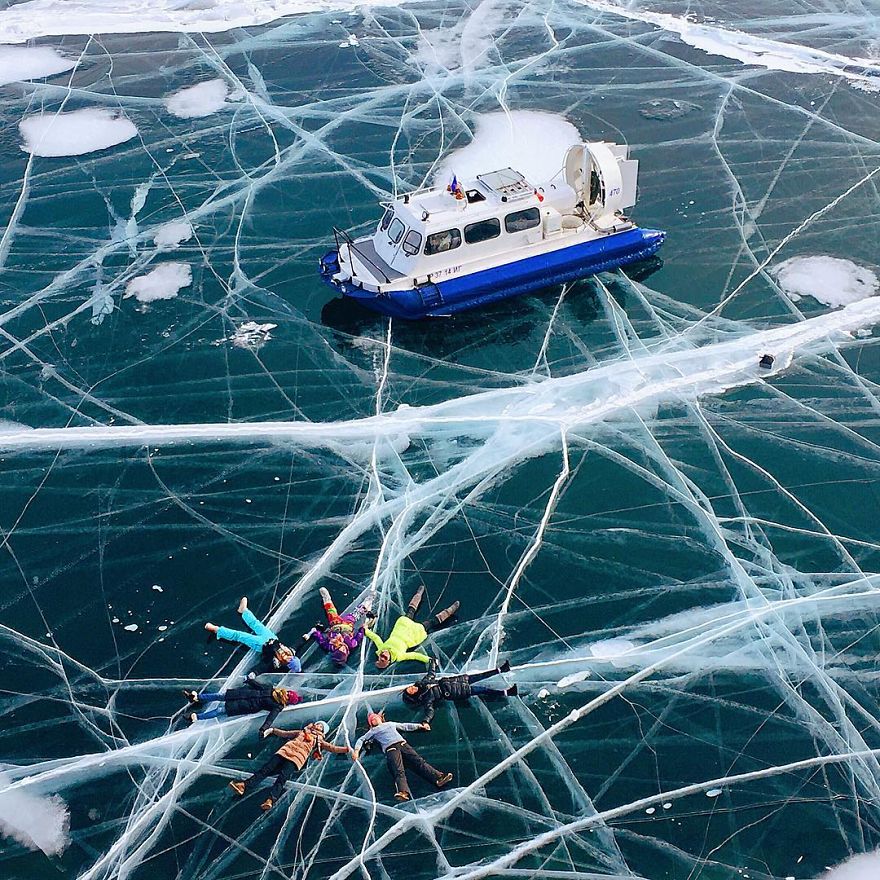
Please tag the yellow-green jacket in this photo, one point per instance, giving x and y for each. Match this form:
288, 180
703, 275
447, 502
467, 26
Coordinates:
405, 635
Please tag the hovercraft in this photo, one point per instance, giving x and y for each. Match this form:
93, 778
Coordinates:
442, 250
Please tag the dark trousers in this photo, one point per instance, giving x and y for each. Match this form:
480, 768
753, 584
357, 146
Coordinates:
402, 756
276, 766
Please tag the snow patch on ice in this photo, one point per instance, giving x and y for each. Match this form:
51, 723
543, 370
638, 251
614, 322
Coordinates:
865, 866
35, 822
18, 63
75, 133
830, 280
713, 792
198, 100
7, 426
531, 142
752, 49
173, 234
38, 18
164, 282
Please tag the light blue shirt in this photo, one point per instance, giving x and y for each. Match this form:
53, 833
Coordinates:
386, 734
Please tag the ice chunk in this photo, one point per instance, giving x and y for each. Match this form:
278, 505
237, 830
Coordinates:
75, 133
35, 822
573, 678
131, 627
173, 234
19, 63
543, 693
830, 280
164, 282
713, 792
157, 588
252, 335
531, 142
199, 100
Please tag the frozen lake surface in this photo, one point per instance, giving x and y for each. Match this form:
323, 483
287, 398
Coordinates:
677, 550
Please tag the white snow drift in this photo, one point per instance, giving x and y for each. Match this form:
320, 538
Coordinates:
829, 280
75, 133
18, 63
164, 282
35, 822
198, 100
508, 139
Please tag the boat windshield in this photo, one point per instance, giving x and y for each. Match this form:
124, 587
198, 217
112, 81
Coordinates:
395, 230
386, 218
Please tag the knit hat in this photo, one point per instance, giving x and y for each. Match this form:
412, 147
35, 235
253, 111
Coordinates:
323, 726
374, 718
281, 696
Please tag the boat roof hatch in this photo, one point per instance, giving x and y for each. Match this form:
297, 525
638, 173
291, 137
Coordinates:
507, 183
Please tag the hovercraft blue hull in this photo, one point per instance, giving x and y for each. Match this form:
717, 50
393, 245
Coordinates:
442, 298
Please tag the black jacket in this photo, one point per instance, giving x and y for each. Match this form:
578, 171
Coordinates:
435, 690
254, 697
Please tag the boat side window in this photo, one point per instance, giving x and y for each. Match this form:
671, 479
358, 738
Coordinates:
438, 242
395, 230
412, 244
519, 221
483, 230
386, 218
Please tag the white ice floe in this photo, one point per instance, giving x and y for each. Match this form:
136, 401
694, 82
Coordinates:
830, 280
75, 133
39, 823
132, 627
199, 100
508, 139
18, 63
173, 234
611, 649
713, 792
865, 866
164, 282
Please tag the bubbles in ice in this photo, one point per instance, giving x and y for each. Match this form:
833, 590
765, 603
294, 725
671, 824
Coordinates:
75, 133
830, 280
164, 282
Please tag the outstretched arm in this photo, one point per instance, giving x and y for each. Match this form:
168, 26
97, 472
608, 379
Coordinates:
284, 734
415, 655
378, 642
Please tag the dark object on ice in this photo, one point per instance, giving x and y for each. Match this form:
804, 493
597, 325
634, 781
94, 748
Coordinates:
667, 108
766, 361
253, 697
431, 690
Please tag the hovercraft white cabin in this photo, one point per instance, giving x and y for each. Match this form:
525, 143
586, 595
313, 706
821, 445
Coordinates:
446, 249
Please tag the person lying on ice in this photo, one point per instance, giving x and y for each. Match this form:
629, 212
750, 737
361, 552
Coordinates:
408, 633
275, 656
430, 690
253, 697
343, 634
291, 758
399, 754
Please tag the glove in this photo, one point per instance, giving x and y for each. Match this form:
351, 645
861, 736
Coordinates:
251, 676
320, 627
